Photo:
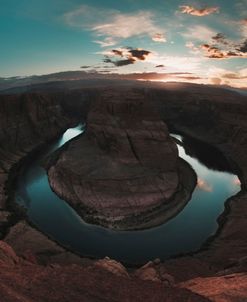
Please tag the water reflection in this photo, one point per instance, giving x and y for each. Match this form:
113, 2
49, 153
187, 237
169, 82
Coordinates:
203, 185
206, 154
70, 134
184, 233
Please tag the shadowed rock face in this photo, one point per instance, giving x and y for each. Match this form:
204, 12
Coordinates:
220, 120
123, 168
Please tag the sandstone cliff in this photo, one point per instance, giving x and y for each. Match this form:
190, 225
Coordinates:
124, 172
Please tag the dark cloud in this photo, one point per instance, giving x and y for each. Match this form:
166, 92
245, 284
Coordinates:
129, 56
222, 48
85, 67
233, 54
118, 52
243, 47
233, 51
220, 38
160, 66
139, 54
120, 63
212, 52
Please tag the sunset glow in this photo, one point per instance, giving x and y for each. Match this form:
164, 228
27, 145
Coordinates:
180, 41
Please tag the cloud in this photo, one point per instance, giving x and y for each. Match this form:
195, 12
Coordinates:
241, 6
216, 81
217, 47
113, 25
243, 47
84, 16
120, 63
177, 63
108, 41
118, 52
160, 66
191, 10
220, 38
124, 26
129, 56
214, 52
239, 26
199, 32
159, 38
193, 49
228, 77
234, 76
154, 76
230, 51
213, 75
139, 54
243, 27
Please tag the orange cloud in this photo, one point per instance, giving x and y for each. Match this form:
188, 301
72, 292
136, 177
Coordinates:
214, 52
190, 10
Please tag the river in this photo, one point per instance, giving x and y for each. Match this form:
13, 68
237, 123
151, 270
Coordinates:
184, 233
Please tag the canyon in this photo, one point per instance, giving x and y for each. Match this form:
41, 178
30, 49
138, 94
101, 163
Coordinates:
35, 268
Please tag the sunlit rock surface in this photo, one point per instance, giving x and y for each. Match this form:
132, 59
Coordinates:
23, 280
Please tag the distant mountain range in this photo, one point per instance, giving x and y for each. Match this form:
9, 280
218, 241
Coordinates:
80, 79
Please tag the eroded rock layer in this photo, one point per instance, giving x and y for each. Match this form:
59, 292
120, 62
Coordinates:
124, 172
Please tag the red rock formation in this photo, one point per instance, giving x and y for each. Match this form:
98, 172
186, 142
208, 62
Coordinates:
21, 280
124, 171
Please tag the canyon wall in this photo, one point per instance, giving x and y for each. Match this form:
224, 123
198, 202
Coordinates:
37, 269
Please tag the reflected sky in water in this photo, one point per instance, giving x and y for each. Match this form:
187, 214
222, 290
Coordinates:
70, 134
185, 232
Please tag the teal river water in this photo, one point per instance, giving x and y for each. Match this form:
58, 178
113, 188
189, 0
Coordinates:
184, 233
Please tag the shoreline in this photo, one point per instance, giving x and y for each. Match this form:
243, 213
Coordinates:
185, 188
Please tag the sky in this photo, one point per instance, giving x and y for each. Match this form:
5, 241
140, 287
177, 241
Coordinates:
187, 41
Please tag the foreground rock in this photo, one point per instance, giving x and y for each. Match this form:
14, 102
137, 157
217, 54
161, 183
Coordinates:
22, 280
228, 288
32, 245
124, 172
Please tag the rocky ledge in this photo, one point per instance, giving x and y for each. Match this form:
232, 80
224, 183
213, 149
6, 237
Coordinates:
124, 172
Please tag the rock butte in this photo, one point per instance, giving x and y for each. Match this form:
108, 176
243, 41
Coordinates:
34, 268
124, 172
